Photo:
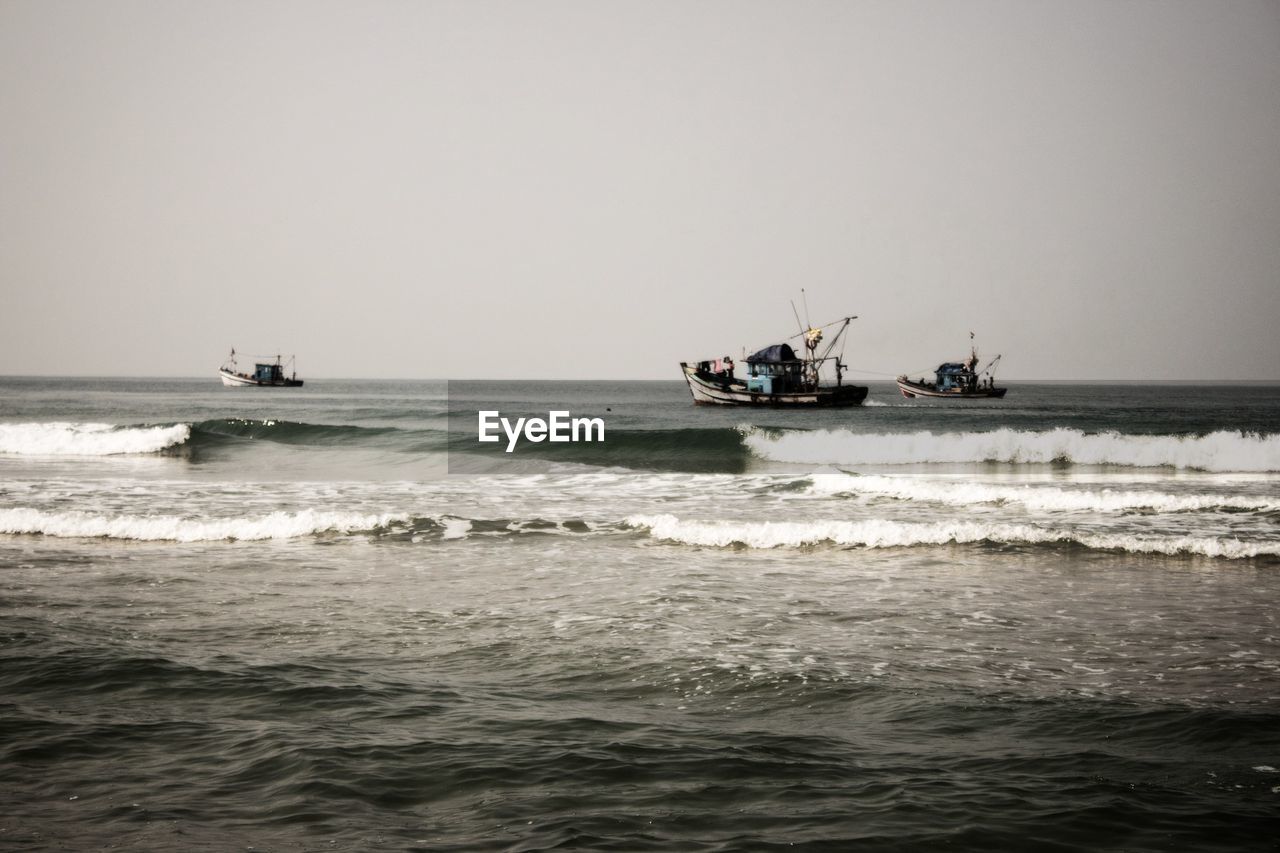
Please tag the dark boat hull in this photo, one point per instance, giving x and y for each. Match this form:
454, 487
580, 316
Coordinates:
714, 390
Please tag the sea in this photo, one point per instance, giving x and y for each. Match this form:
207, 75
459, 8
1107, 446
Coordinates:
329, 618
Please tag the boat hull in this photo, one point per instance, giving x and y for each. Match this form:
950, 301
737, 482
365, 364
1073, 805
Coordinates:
239, 380
911, 389
711, 390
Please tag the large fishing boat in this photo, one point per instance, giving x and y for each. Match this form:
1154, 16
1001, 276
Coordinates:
268, 374
956, 381
778, 376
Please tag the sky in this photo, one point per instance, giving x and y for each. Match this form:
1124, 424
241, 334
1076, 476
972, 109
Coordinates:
551, 189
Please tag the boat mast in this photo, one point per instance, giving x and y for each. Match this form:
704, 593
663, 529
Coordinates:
812, 336
809, 369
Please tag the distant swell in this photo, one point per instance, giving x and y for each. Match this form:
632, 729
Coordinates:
1217, 451
276, 525
691, 449
288, 432
893, 534
88, 439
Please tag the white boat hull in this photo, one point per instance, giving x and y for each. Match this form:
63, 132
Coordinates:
232, 380
237, 380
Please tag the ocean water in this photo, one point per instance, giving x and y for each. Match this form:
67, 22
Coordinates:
328, 619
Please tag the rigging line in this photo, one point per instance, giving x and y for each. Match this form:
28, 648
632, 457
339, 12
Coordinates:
827, 326
890, 375
870, 372
839, 336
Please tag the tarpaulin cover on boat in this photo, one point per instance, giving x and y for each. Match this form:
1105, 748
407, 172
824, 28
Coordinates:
951, 367
773, 355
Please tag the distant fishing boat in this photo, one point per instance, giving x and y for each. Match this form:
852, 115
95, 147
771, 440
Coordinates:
268, 374
956, 381
777, 376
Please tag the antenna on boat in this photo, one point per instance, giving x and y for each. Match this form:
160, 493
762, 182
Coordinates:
797, 313
840, 365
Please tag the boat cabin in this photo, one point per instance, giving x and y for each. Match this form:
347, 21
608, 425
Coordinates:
954, 376
268, 372
775, 370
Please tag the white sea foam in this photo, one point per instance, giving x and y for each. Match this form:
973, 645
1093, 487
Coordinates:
1217, 451
275, 525
87, 439
1039, 498
456, 528
879, 533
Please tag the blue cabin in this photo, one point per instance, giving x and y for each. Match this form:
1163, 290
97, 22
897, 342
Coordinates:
775, 370
952, 376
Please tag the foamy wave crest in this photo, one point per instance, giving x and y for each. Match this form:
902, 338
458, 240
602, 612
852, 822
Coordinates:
73, 439
1217, 451
1039, 498
276, 525
878, 533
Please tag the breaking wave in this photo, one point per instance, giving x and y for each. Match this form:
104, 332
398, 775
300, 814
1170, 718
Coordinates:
869, 533
386, 527
155, 528
1220, 451
880, 533
1040, 498
88, 439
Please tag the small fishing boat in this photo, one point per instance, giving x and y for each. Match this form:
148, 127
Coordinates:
777, 376
265, 374
956, 381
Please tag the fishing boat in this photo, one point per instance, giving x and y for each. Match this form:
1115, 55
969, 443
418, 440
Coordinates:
777, 375
265, 374
956, 381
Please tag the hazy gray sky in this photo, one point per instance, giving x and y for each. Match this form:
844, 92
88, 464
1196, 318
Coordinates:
602, 189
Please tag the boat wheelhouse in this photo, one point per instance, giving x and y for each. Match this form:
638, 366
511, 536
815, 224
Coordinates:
265, 374
777, 376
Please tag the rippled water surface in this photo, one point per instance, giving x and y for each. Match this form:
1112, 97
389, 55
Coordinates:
320, 619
